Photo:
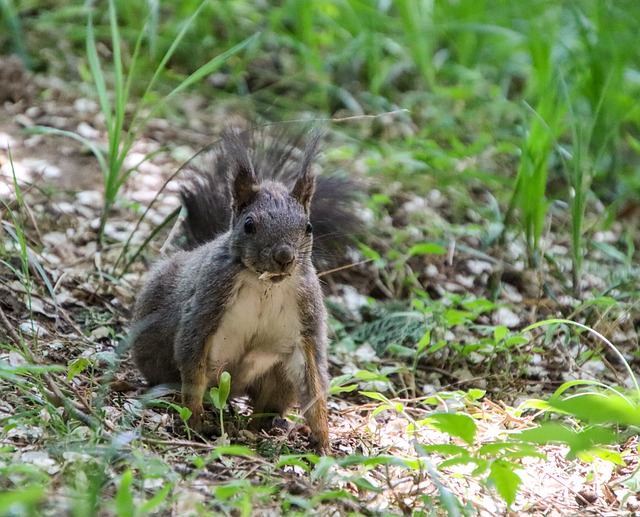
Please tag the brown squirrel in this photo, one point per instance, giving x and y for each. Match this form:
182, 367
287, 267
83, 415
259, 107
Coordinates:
247, 301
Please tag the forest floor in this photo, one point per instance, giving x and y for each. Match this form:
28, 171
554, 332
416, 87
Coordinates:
85, 410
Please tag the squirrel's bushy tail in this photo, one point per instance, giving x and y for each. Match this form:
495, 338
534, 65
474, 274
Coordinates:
277, 154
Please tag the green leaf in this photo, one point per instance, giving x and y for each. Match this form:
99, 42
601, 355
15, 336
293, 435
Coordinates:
236, 487
455, 317
500, 332
437, 346
608, 455
535, 404
364, 375
371, 254
365, 485
343, 389
495, 448
475, 394
184, 413
600, 408
294, 461
479, 305
77, 366
454, 424
231, 450
515, 341
153, 503
375, 461
123, 501
506, 481
400, 351
459, 460
376, 396
424, 341
426, 248
28, 497
224, 387
578, 441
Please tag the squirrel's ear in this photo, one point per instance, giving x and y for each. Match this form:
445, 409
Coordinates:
244, 185
306, 183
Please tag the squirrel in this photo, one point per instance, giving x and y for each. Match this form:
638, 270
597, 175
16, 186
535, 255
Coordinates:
247, 300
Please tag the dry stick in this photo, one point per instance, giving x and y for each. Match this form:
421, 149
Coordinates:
342, 119
55, 394
347, 266
369, 117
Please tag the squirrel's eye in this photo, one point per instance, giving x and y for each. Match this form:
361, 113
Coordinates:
249, 225
309, 228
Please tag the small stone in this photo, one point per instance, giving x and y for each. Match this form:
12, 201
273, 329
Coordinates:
87, 131
101, 332
31, 328
506, 317
85, 106
7, 141
477, 267
92, 198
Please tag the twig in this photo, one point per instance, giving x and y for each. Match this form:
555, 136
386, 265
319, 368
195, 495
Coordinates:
347, 266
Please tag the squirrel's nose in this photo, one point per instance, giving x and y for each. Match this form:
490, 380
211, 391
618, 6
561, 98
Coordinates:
283, 256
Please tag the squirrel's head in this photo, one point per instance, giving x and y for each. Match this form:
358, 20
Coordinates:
270, 229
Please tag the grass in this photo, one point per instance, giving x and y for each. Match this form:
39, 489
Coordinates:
121, 132
522, 125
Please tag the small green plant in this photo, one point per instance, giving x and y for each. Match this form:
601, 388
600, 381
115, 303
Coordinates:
531, 183
495, 463
125, 505
219, 396
598, 410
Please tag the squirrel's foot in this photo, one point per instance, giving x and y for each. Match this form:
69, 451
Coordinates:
323, 449
275, 425
196, 420
318, 441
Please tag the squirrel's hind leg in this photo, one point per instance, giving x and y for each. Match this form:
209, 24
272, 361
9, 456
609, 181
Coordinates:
313, 396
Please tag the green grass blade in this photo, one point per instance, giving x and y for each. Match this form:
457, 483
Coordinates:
115, 156
97, 74
16, 33
176, 42
206, 69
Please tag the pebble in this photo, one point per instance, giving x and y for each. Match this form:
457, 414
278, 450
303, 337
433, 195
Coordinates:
7, 141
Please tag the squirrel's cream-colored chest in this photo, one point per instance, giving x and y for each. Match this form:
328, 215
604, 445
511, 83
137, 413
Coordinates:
260, 328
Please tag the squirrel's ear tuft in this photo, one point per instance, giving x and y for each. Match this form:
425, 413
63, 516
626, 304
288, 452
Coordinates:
244, 184
306, 183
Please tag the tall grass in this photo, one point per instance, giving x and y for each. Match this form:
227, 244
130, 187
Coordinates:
123, 128
13, 27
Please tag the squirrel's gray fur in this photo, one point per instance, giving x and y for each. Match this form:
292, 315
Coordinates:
249, 301
276, 153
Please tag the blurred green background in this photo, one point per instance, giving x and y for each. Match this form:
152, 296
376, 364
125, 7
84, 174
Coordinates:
531, 101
